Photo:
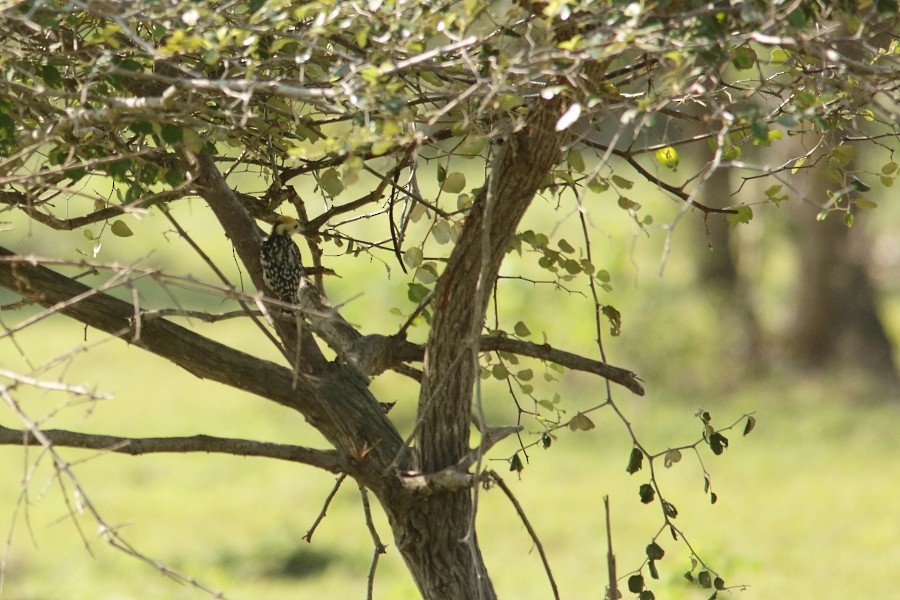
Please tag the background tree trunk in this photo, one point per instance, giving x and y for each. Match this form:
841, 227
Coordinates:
719, 273
836, 320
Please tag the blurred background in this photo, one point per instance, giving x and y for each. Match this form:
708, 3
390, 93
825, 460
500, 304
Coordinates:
791, 318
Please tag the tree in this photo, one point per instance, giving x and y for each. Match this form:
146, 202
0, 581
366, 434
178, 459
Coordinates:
112, 109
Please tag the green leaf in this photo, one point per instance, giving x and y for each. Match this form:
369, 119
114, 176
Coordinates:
841, 156
655, 551
751, 423
521, 329
668, 157
773, 190
598, 185
718, 443
647, 493
121, 229
719, 583
704, 578
889, 168
441, 231
413, 257
615, 319
744, 214
525, 375
621, 182
575, 160
171, 134
330, 182
515, 463
636, 583
779, 56
628, 204
51, 76
499, 372
672, 456
581, 422
454, 183
426, 273
192, 140
416, 292
635, 461
565, 246
743, 58
849, 219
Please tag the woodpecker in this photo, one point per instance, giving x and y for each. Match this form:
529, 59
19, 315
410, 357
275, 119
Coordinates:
280, 259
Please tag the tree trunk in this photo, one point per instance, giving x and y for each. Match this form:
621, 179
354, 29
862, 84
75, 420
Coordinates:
717, 268
836, 321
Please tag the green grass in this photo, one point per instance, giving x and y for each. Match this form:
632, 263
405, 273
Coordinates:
805, 503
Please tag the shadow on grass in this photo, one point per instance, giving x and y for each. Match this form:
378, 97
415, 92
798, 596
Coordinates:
280, 561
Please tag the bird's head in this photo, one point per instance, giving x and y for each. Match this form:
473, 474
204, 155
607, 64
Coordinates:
286, 226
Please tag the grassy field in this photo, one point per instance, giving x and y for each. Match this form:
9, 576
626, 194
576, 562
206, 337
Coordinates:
806, 504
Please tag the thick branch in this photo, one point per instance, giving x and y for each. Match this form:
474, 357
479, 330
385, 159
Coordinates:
199, 355
576, 362
328, 460
354, 421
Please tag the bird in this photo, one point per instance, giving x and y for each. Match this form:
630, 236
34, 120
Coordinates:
282, 268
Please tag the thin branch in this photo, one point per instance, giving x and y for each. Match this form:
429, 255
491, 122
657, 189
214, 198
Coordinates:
493, 477
379, 547
329, 460
613, 591
321, 515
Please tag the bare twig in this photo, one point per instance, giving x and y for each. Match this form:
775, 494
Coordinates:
312, 528
610, 557
379, 547
493, 477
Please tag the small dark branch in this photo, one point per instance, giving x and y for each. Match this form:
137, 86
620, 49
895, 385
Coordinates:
379, 547
675, 190
317, 223
569, 360
328, 460
610, 557
491, 477
672, 189
321, 515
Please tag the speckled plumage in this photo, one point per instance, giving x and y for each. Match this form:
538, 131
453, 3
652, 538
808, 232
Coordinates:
280, 259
